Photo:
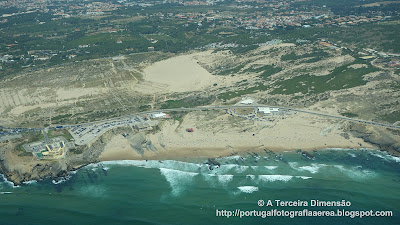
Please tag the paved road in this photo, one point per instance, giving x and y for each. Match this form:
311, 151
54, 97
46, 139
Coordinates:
226, 107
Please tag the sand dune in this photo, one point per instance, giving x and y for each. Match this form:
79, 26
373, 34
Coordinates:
180, 74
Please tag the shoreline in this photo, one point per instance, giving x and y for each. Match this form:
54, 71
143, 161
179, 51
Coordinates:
216, 134
182, 153
184, 159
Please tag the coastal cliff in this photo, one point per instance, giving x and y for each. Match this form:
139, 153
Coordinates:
22, 168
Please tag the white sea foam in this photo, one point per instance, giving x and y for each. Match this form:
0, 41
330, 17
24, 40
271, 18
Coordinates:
273, 178
210, 179
61, 180
303, 177
226, 168
178, 180
5, 192
30, 182
352, 154
248, 189
232, 168
58, 182
241, 169
237, 157
225, 179
170, 164
9, 183
271, 167
378, 155
313, 168
394, 158
356, 172
387, 157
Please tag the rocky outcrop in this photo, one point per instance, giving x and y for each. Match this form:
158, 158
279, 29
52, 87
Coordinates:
384, 139
42, 169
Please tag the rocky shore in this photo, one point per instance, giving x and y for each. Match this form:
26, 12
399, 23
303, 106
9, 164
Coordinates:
385, 139
19, 169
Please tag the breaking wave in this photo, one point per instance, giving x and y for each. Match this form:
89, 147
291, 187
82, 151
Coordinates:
172, 164
30, 182
273, 178
9, 183
177, 179
356, 172
225, 179
271, 167
248, 189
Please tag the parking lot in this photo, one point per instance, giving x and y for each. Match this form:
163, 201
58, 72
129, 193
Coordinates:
85, 134
259, 116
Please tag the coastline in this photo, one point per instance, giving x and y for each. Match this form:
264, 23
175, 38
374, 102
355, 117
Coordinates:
185, 153
215, 135
61, 179
218, 134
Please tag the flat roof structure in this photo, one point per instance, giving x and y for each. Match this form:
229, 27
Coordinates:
247, 101
158, 115
267, 110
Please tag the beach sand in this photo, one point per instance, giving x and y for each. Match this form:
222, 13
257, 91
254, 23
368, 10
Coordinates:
217, 134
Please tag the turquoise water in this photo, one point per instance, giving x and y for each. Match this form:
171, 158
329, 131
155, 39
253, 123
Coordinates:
173, 192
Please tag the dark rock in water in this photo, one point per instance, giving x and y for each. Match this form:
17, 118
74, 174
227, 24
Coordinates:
104, 172
62, 173
308, 155
280, 157
316, 152
250, 154
213, 162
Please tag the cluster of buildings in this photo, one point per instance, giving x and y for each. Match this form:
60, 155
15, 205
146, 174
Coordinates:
54, 148
62, 8
268, 15
351, 20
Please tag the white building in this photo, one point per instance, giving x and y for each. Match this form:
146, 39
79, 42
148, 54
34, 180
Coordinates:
247, 101
267, 110
158, 115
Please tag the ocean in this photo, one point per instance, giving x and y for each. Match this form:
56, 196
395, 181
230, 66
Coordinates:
177, 192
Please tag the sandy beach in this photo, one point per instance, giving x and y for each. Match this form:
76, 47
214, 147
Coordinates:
217, 134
